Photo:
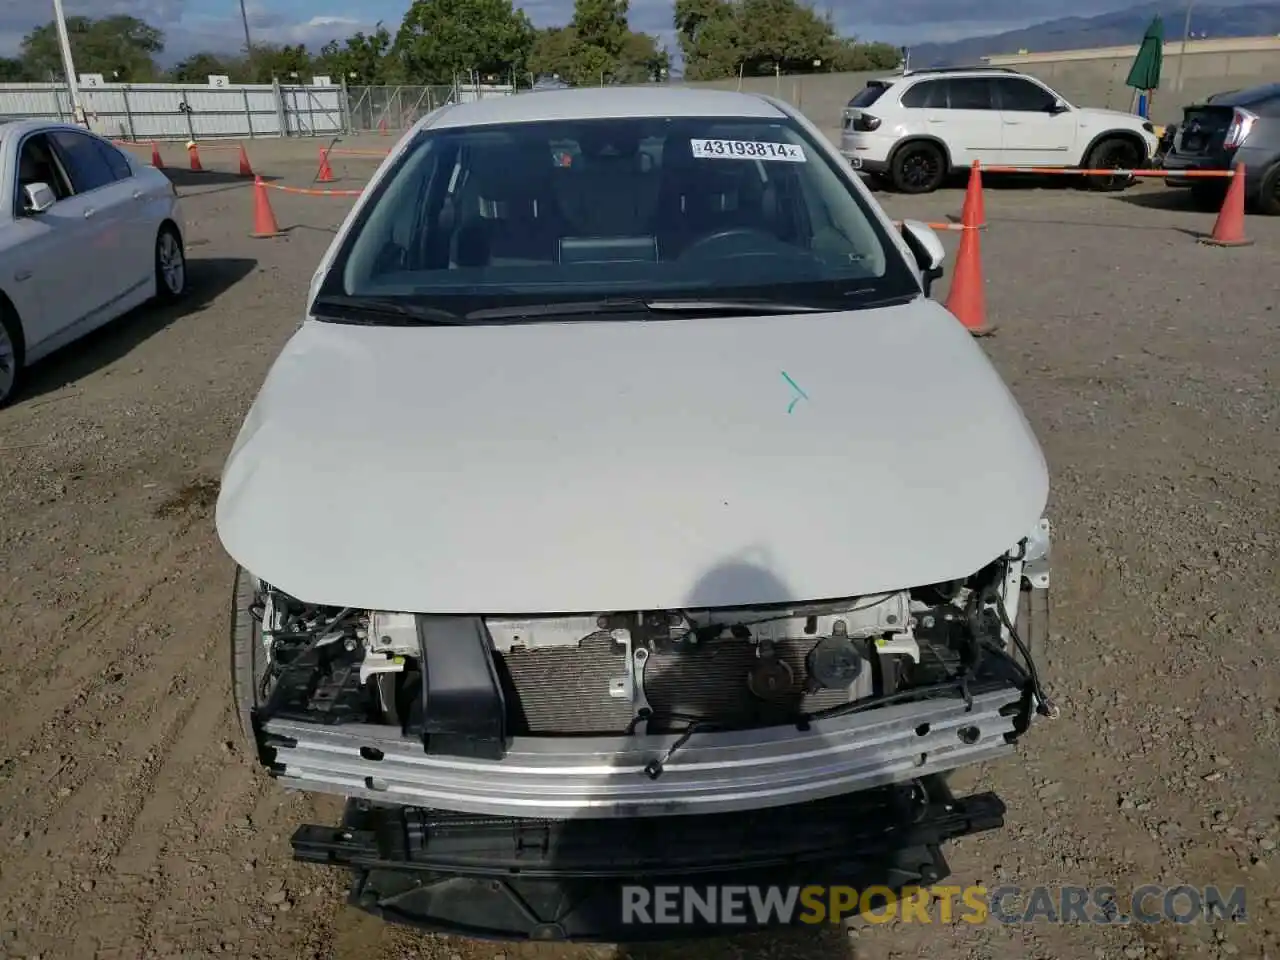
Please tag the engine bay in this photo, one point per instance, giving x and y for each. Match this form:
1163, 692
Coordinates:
637, 672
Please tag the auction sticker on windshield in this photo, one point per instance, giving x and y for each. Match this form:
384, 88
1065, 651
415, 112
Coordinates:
747, 150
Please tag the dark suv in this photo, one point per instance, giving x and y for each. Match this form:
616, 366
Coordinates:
1242, 126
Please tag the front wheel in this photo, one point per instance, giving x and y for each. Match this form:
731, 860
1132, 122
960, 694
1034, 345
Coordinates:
1113, 153
171, 265
1269, 197
11, 355
249, 674
918, 168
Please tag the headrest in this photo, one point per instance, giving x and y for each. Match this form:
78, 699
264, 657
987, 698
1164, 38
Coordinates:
716, 184
608, 142
504, 177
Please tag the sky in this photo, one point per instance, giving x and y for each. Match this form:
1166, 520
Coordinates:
192, 25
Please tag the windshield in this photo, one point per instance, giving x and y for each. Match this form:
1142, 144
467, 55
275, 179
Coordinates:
473, 220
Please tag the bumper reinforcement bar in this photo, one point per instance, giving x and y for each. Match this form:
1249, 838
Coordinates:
516, 879
604, 777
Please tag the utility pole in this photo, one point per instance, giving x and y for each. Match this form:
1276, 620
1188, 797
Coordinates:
248, 44
68, 64
1182, 55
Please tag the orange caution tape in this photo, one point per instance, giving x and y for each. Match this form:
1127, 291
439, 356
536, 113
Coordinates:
1118, 172
310, 192
951, 227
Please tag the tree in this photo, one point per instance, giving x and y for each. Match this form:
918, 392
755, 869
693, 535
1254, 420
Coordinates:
722, 37
441, 39
285, 63
552, 52
709, 38
121, 48
852, 55
13, 70
597, 45
199, 67
601, 24
360, 59
642, 60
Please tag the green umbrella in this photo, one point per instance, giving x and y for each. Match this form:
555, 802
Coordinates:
1145, 72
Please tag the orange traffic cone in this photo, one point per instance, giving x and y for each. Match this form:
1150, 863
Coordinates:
194, 153
974, 211
967, 299
325, 174
1228, 229
264, 218
245, 169
155, 156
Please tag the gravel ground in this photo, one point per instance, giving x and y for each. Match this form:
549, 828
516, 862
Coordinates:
132, 826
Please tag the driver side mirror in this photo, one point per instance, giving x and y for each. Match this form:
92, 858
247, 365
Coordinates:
1058, 106
37, 197
927, 249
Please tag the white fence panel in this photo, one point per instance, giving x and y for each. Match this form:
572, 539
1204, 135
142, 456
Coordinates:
21, 101
163, 111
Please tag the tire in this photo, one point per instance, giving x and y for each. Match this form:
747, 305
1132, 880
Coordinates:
1269, 195
248, 660
877, 182
12, 354
918, 167
1112, 153
171, 265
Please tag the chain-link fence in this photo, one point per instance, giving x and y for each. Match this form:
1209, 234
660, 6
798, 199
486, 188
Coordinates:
400, 107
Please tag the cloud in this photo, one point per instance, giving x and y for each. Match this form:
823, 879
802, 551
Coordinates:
190, 25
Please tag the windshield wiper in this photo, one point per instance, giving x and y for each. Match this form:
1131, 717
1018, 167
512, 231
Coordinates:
394, 311
569, 308
673, 307
894, 300
759, 305
382, 311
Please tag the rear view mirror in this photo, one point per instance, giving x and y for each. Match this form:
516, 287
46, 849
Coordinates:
1059, 106
37, 197
926, 248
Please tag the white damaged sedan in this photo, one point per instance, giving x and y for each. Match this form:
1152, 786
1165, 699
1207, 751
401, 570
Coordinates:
625, 509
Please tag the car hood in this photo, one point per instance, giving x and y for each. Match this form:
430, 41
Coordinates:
1133, 120
625, 465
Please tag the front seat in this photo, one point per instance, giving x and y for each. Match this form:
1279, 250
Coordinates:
504, 215
613, 193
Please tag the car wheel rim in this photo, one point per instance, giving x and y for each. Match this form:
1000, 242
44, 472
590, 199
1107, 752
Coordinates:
1119, 157
918, 170
173, 267
8, 363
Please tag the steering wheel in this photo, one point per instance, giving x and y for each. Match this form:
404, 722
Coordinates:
729, 234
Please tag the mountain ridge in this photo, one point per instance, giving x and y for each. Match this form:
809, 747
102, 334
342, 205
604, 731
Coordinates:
1117, 28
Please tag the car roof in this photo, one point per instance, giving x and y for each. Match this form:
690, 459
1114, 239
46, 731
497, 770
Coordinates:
930, 73
1246, 96
590, 103
19, 128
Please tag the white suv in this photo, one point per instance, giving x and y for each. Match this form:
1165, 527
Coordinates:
916, 128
